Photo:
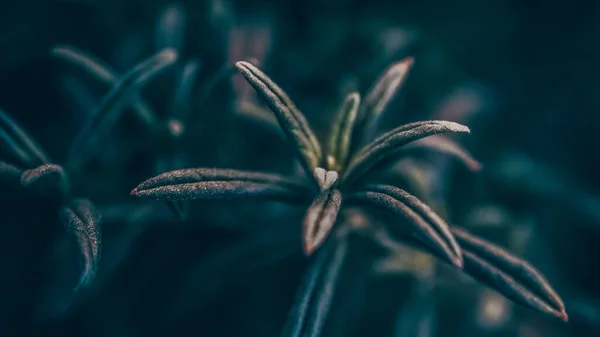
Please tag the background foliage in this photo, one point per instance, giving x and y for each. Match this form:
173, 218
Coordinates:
521, 74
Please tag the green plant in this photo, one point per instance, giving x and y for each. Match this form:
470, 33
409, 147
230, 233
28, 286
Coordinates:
340, 172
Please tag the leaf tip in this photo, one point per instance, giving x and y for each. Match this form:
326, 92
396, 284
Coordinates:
309, 246
563, 316
135, 192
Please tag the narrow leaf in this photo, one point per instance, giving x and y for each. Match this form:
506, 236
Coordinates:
316, 290
382, 147
170, 28
320, 219
182, 102
10, 172
420, 208
292, 122
378, 98
447, 146
50, 180
341, 133
206, 183
105, 74
83, 222
326, 291
114, 102
423, 231
510, 275
18, 141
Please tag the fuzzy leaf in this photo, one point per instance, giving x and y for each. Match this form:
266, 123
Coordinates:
378, 98
18, 141
10, 172
447, 146
317, 287
104, 73
113, 103
320, 219
83, 222
206, 183
50, 180
292, 122
378, 150
341, 133
424, 211
424, 231
509, 275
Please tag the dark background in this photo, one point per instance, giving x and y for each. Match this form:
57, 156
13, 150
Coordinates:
523, 75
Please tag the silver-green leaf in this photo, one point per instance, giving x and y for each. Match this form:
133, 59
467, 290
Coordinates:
320, 219
83, 222
423, 231
378, 97
291, 120
378, 150
209, 183
341, 133
510, 275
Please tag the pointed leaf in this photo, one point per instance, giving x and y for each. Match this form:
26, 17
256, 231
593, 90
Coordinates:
10, 172
107, 75
320, 219
510, 275
206, 183
316, 290
445, 145
420, 208
382, 147
378, 98
292, 122
182, 102
424, 231
83, 222
50, 180
325, 293
341, 133
114, 102
18, 141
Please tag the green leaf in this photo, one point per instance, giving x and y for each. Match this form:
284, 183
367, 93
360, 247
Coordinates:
113, 103
317, 288
427, 234
10, 172
377, 98
341, 133
509, 275
208, 183
381, 148
83, 222
291, 120
18, 141
104, 73
50, 180
320, 219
